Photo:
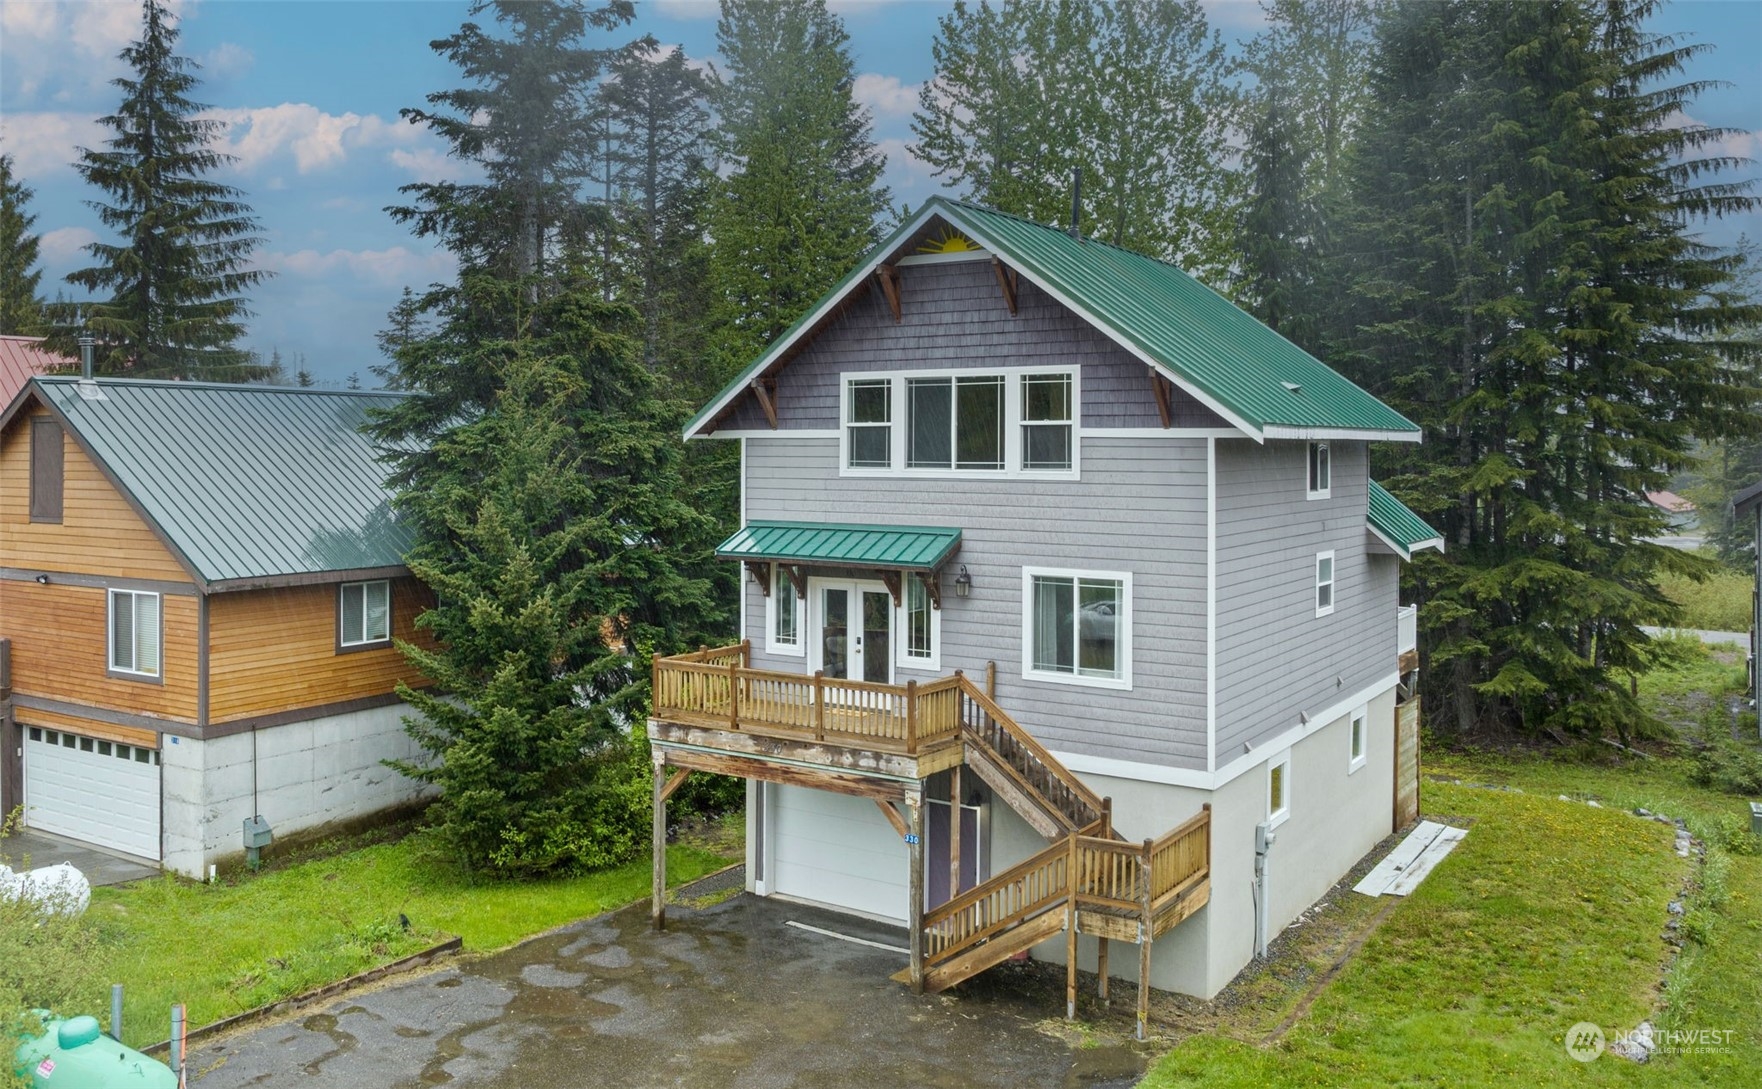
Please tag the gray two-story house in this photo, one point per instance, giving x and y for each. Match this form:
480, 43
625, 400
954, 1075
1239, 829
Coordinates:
1049, 543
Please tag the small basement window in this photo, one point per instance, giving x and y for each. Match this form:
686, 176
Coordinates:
364, 614
1357, 742
1278, 790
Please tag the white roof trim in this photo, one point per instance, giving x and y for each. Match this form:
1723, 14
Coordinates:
1286, 431
1405, 553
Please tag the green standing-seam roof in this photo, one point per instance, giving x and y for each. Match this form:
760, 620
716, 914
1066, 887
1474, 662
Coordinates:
1227, 359
1399, 528
246, 483
907, 547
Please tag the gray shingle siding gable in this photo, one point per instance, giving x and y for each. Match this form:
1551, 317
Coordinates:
1275, 657
1140, 507
953, 315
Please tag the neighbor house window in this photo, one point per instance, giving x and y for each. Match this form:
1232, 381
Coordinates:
1357, 742
46, 469
134, 633
1321, 472
1278, 789
784, 628
869, 424
365, 613
1046, 421
1077, 627
1324, 583
919, 647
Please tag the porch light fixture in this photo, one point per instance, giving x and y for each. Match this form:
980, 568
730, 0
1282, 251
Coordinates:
963, 583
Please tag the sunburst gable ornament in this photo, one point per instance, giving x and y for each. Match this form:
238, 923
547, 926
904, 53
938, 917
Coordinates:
949, 240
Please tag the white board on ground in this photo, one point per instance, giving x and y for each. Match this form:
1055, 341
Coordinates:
1428, 858
1396, 862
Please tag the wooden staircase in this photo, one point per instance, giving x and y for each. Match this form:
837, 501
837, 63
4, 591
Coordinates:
1088, 879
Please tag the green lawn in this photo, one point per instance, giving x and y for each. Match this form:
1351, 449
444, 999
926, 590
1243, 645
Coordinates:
226, 948
1548, 914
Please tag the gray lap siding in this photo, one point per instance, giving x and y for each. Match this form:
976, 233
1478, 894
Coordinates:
1275, 657
1139, 507
952, 315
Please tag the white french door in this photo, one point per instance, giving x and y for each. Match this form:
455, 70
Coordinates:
853, 625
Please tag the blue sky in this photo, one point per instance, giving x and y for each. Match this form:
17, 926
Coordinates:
312, 89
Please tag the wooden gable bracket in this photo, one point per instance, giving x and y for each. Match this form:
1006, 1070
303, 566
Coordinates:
890, 579
1006, 279
798, 578
893, 817
761, 574
1160, 390
765, 389
933, 587
889, 278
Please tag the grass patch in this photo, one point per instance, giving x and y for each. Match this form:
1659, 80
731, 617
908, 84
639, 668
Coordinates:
1690, 679
1549, 913
1721, 603
225, 948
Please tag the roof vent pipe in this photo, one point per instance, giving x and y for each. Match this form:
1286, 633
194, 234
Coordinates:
86, 343
1076, 230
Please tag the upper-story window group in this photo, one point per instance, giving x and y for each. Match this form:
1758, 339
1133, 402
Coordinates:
1015, 420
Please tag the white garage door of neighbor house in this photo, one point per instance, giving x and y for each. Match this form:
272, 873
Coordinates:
837, 850
97, 791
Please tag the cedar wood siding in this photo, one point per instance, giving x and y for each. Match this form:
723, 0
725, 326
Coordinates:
58, 631
271, 651
953, 315
1275, 657
1140, 507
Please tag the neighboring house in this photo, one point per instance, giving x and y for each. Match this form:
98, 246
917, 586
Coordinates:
1681, 513
199, 589
1139, 524
22, 358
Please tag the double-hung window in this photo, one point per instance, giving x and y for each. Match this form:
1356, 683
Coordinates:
1014, 420
1324, 583
869, 424
134, 633
1047, 421
1078, 627
1321, 471
364, 614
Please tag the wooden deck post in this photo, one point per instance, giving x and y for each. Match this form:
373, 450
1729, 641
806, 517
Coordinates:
914, 803
1073, 884
1101, 971
819, 705
955, 826
911, 716
658, 907
1146, 932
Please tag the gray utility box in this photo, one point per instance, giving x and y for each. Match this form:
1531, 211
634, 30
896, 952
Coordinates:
257, 833
1756, 817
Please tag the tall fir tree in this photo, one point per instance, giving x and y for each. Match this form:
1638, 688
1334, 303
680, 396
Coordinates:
21, 307
172, 290
1139, 97
1536, 300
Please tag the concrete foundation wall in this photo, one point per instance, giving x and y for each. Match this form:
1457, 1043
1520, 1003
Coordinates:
303, 775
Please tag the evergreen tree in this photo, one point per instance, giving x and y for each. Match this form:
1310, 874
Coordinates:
1540, 307
21, 308
1139, 96
802, 192
303, 378
175, 283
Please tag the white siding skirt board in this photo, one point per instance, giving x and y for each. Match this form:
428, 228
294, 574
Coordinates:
1412, 859
99, 799
837, 851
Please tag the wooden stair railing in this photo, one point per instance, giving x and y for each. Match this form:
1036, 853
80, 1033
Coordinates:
1025, 767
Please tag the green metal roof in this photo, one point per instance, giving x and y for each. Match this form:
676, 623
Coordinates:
1223, 356
910, 547
1403, 530
245, 483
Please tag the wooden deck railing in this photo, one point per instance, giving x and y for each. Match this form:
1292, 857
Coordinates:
1116, 875
718, 688
1031, 887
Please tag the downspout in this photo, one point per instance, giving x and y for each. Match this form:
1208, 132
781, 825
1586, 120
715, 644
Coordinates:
1263, 842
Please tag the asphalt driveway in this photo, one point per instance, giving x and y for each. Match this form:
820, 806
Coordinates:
735, 995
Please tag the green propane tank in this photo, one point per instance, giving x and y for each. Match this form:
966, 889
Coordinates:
74, 1054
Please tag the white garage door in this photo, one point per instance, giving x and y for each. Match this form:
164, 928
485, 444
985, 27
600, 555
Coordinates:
837, 850
97, 791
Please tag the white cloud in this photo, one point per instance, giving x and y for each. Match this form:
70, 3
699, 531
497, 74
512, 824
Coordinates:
390, 267
1234, 14
905, 173
885, 95
427, 164
1741, 144
316, 139
42, 144
65, 245
226, 60
35, 37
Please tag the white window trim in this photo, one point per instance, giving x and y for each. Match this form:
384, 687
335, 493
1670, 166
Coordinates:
110, 634
1123, 682
780, 584
342, 640
1359, 724
1308, 456
1276, 817
1012, 425
1332, 583
904, 659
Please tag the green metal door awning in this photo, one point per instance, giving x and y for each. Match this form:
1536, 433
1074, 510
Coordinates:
1395, 525
900, 548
